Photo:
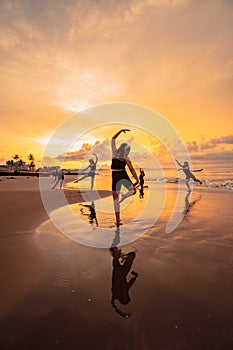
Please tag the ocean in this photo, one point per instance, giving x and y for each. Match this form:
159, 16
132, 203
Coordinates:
211, 177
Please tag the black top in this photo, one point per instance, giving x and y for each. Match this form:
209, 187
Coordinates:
187, 172
141, 178
92, 167
118, 164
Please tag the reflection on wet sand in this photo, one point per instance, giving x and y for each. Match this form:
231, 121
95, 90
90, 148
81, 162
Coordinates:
122, 264
189, 205
92, 213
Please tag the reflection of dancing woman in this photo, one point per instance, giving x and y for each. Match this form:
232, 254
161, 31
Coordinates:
91, 173
188, 173
122, 264
119, 175
60, 178
189, 205
92, 213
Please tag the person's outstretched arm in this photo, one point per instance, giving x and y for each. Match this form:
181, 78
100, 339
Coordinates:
114, 149
195, 171
178, 163
84, 205
132, 170
86, 168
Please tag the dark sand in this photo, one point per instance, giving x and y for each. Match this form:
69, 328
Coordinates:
56, 294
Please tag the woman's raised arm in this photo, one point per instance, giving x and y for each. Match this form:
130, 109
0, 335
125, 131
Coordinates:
178, 163
114, 149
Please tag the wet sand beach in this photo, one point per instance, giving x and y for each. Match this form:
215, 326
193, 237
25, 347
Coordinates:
57, 293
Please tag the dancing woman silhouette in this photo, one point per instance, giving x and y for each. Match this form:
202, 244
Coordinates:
122, 264
120, 177
188, 173
91, 173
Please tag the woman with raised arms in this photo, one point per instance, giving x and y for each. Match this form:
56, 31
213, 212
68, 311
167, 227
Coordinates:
120, 158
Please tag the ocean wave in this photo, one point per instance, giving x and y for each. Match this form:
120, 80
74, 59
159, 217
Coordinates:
209, 181
219, 184
212, 183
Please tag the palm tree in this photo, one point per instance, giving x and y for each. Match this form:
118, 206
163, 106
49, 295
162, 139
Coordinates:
31, 157
10, 163
31, 164
16, 164
21, 163
16, 157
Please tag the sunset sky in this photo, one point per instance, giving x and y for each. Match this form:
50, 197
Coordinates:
59, 57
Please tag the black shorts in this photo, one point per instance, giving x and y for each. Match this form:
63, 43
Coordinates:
120, 178
91, 173
191, 176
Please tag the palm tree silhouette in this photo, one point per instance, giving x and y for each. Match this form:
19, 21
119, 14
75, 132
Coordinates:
31, 157
21, 163
10, 164
16, 157
31, 164
16, 164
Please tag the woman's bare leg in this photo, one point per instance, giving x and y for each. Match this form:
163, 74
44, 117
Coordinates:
92, 182
115, 196
131, 192
55, 184
81, 178
195, 179
188, 186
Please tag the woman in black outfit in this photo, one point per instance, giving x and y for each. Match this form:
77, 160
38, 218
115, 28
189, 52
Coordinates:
119, 175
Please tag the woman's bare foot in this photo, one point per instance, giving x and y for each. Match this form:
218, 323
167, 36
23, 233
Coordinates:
118, 223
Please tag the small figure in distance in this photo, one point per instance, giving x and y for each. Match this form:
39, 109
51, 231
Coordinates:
60, 178
55, 174
188, 173
120, 158
141, 183
91, 173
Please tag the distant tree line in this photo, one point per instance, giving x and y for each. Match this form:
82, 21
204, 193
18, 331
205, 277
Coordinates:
17, 163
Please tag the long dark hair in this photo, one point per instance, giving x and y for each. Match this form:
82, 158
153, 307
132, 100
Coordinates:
121, 150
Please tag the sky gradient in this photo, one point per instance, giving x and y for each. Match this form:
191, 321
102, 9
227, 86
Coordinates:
59, 57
